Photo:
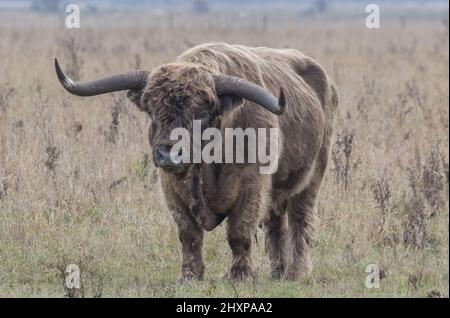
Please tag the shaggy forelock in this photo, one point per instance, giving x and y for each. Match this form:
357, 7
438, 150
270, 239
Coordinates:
176, 91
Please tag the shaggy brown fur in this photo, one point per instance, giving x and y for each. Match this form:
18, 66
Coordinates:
179, 92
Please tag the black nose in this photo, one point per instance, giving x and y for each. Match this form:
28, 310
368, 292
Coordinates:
161, 157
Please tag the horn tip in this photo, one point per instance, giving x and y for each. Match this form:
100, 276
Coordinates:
57, 64
281, 100
59, 72
65, 81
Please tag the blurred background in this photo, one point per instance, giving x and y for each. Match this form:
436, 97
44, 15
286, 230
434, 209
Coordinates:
310, 8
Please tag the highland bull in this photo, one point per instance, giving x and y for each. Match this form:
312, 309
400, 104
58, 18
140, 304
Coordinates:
233, 86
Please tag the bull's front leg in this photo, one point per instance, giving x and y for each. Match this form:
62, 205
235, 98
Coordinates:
243, 221
191, 238
189, 231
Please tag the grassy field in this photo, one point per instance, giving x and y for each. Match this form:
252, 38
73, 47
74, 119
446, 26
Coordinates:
77, 185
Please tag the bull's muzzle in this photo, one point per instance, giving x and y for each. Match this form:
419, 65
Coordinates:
163, 159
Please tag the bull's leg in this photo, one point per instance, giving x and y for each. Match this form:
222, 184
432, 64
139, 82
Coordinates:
242, 225
240, 233
300, 211
276, 228
191, 238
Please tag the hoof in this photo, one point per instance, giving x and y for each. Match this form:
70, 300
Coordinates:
240, 273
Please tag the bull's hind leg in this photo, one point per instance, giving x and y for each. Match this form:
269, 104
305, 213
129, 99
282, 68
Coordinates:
276, 227
300, 210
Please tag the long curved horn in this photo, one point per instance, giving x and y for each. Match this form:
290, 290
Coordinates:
231, 85
114, 83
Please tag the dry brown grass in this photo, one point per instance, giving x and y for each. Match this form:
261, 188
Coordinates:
77, 186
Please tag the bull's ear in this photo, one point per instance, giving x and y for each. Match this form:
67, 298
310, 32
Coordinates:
229, 102
134, 95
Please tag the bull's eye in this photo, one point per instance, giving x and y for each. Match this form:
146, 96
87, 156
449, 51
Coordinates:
205, 116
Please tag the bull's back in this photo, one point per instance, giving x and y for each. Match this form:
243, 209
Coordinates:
300, 75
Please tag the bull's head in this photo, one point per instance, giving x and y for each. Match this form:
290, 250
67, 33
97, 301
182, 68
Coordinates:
175, 94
